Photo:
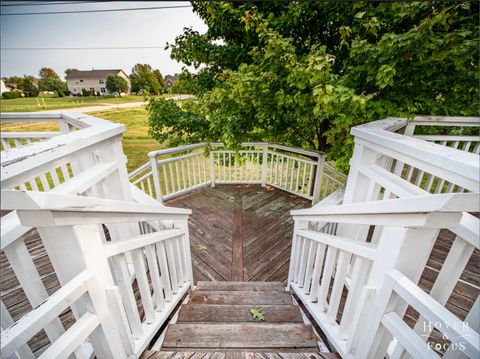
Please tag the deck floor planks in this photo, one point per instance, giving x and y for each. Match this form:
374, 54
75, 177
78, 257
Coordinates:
266, 226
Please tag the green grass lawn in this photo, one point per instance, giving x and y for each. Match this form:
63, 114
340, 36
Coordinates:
29, 104
136, 141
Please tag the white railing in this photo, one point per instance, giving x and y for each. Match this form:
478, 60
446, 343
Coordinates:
87, 159
175, 171
10, 140
458, 140
350, 308
395, 204
163, 256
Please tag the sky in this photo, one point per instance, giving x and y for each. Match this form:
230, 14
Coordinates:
101, 29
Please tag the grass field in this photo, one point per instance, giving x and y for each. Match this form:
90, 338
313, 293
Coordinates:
29, 104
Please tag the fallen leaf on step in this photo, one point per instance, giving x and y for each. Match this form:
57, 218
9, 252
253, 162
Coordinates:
257, 314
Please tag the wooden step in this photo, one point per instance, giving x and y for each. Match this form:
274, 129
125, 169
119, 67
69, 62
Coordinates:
205, 313
241, 286
240, 298
240, 337
150, 354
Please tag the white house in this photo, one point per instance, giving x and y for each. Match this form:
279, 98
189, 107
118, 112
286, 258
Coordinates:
3, 88
93, 80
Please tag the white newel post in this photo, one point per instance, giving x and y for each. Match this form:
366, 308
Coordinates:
117, 186
156, 177
212, 169
73, 249
264, 165
404, 249
318, 179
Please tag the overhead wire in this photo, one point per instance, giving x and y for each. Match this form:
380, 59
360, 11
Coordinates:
50, 3
95, 11
82, 48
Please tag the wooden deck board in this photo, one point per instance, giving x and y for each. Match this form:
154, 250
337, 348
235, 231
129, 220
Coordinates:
222, 337
210, 313
266, 231
149, 354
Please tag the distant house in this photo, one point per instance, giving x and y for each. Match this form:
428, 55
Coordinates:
3, 88
11, 85
169, 80
92, 81
35, 81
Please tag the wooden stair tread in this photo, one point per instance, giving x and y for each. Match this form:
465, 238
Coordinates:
244, 337
212, 313
149, 354
241, 286
240, 298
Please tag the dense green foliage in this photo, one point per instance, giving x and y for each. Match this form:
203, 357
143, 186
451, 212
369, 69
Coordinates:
9, 95
304, 73
28, 88
143, 77
24, 84
50, 81
116, 84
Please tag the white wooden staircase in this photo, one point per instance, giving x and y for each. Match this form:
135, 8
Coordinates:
217, 322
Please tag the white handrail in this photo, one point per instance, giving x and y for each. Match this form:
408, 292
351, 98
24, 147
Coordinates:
32, 200
462, 164
401, 191
443, 202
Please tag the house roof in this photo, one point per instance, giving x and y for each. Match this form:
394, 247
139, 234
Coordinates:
171, 77
92, 74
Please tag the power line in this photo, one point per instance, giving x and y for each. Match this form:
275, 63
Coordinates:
50, 3
80, 48
94, 11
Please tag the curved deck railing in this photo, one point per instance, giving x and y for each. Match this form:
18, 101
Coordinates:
175, 171
357, 266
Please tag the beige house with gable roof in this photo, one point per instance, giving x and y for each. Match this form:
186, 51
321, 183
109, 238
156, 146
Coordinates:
93, 80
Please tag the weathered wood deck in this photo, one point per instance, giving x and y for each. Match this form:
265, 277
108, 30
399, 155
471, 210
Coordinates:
237, 233
240, 233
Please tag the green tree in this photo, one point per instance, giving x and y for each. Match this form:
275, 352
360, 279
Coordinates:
116, 84
28, 88
25, 84
69, 71
161, 80
143, 77
14, 80
306, 72
50, 81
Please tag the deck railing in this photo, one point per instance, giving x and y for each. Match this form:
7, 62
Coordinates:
116, 242
175, 171
72, 233
356, 266
459, 140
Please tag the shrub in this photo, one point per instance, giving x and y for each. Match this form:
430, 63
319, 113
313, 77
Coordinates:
10, 95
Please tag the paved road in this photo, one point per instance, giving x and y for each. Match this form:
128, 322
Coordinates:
112, 106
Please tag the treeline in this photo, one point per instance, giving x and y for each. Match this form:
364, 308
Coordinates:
30, 86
